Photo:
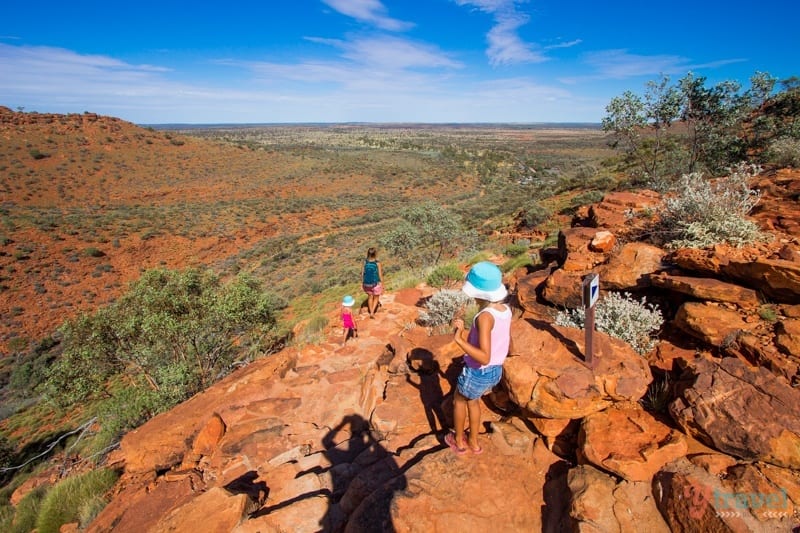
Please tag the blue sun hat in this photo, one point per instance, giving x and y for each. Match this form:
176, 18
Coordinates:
348, 301
485, 282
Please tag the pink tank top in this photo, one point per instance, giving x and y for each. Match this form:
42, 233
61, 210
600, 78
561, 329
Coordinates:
347, 320
501, 337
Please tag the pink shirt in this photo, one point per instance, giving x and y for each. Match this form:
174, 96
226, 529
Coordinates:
347, 320
501, 337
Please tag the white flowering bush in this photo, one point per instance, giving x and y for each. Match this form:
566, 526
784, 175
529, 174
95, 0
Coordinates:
702, 213
621, 316
442, 307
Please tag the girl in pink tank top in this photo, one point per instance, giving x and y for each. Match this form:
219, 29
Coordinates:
485, 350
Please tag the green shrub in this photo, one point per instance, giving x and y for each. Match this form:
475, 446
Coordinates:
478, 257
620, 316
23, 519
171, 330
784, 152
36, 154
442, 307
768, 313
69, 500
316, 324
426, 233
445, 275
702, 214
534, 214
93, 252
586, 198
516, 262
517, 248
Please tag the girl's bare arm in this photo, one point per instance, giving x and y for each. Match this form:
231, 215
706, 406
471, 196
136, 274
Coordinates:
481, 354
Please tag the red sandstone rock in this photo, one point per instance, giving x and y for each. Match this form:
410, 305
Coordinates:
776, 278
710, 323
600, 503
214, 510
627, 441
528, 288
512, 501
692, 499
563, 288
630, 268
575, 249
620, 209
603, 242
722, 404
706, 289
549, 379
787, 336
704, 262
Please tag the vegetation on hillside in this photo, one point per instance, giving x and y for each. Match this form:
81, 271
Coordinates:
303, 205
685, 127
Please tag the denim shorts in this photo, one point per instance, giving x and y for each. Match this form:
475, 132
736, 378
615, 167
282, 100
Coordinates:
475, 382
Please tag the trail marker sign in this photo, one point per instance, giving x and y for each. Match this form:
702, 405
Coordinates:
591, 292
591, 289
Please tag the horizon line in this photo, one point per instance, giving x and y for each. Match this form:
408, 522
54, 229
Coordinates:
357, 123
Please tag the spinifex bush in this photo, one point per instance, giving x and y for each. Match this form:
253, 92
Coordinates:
703, 213
442, 307
75, 498
620, 316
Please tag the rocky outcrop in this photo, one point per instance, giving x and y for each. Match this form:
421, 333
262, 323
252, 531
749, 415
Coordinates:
600, 503
710, 323
630, 269
549, 378
723, 403
629, 442
323, 437
737, 498
706, 289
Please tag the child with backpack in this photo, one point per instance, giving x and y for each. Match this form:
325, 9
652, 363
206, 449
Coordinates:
349, 325
372, 281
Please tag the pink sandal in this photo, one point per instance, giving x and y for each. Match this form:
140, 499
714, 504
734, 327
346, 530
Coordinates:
450, 440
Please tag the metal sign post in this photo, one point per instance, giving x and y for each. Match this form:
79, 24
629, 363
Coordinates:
591, 292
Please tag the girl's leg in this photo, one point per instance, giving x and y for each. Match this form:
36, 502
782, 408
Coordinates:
474, 410
460, 404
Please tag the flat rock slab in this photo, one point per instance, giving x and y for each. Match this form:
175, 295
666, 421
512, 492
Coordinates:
740, 410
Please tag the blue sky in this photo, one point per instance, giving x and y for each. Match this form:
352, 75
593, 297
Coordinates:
376, 60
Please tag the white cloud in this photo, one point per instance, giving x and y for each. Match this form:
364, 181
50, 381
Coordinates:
361, 62
369, 11
395, 53
619, 64
505, 45
372, 80
568, 44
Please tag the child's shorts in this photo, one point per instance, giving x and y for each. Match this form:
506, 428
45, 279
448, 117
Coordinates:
475, 382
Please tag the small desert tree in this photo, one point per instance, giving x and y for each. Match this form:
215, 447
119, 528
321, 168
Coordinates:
713, 118
170, 336
642, 125
427, 232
